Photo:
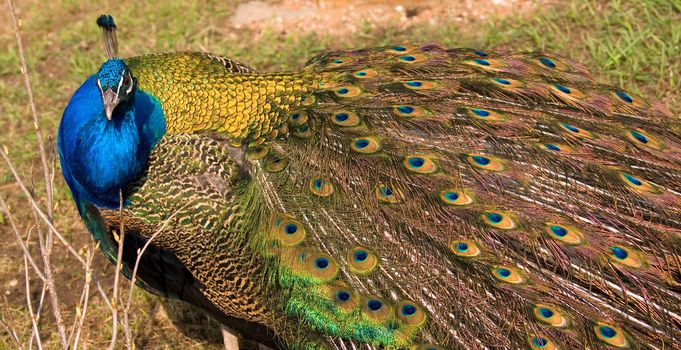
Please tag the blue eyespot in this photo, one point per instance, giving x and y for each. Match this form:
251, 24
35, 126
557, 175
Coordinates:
638, 136
361, 143
552, 147
386, 191
414, 83
503, 272
295, 116
321, 263
452, 196
291, 229
341, 117
408, 310
481, 160
619, 253
558, 231
342, 91
343, 295
482, 62
502, 81
399, 48
318, 183
480, 112
462, 247
607, 332
374, 305
408, 58
405, 109
338, 61
624, 96
547, 62
563, 89
539, 342
634, 181
570, 127
495, 218
361, 74
546, 313
481, 53
416, 162
361, 255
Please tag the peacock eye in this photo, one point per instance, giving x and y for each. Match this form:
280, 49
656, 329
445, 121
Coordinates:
128, 82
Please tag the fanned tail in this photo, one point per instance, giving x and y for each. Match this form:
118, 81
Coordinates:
464, 199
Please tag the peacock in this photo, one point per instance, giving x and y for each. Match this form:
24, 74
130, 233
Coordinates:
406, 196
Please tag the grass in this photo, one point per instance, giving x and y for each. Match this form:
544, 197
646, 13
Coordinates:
635, 45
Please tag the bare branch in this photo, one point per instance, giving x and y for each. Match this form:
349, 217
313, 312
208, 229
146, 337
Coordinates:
119, 265
17, 235
29, 304
34, 110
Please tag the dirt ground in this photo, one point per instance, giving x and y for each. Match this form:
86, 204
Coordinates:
338, 16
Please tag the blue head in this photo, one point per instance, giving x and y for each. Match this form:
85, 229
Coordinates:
107, 133
115, 83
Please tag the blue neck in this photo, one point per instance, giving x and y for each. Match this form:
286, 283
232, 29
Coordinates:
101, 158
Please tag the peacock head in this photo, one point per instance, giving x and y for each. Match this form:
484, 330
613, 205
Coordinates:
116, 84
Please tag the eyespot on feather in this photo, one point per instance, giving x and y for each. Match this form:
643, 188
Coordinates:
410, 313
345, 118
376, 308
490, 65
486, 162
485, 114
388, 194
507, 84
508, 274
401, 49
564, 233
420, 164
321, 186
340, 61
365, 145
362, 260
638, 184
365, 73
625, 257
627, 100
343, 297
465, 248
541, 342
566, 93
419, 84
498, 219
641, 138
347, 91
321, 266
290, 232
553, 147
611, 335
574, 131
455, 197
550, 315
298, 118
412, 58
409, 111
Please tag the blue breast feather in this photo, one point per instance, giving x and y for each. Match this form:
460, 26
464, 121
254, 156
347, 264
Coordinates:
98, 156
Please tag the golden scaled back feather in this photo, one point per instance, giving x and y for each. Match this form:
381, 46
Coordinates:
510, 198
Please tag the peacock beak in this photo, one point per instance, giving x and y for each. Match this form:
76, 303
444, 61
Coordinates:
110, 100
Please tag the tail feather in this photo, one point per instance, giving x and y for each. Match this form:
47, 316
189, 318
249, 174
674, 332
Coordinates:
510, 198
